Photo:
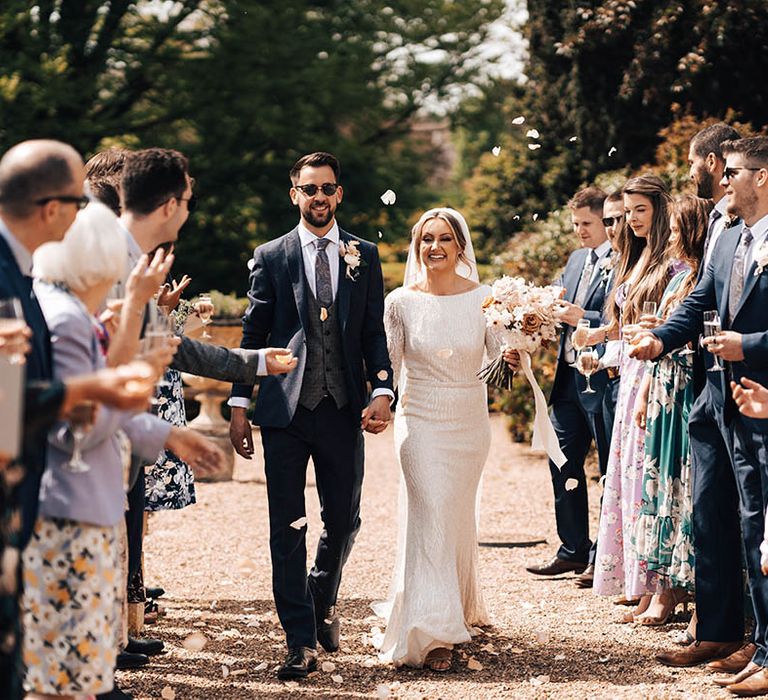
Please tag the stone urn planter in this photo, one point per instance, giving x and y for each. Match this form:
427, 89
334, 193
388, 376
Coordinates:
211, 392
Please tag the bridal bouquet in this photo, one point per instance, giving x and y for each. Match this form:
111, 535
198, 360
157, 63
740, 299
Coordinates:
526, 318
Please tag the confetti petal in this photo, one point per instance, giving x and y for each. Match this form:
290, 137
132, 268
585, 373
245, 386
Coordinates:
381, 235
328, 667
168, 693
518, 120
612, 151
239, 672
534, 146
299, 523
535, 217
263, 666
604, 659
224, 670
474, 665
195, 641
560, 657
382, 691
337, 679
571, 484
532, 134
516, 217
542, 636
389, 198
251, 264
539, 680
496, 150
573, 139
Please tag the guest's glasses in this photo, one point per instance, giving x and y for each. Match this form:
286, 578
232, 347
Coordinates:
81, 202
728, 173
192, 202
328, 189
611, 220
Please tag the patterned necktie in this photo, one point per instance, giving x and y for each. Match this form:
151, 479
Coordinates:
578, 300
738, 272
714, 215
323, 286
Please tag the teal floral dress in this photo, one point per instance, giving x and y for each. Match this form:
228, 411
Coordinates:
663, 531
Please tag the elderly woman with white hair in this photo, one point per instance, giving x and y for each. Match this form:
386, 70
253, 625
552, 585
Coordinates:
72, 582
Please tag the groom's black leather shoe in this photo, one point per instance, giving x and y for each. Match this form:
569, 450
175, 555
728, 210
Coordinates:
328, 629
300, 662
556, 566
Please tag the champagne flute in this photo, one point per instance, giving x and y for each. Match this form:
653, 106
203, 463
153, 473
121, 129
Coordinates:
649, 308
587, 364
205, 315
582, 328
80, 419
711, 328
157, 334
12, 322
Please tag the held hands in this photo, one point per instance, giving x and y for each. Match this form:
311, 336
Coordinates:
280, 360
240, 433
198, 452
169, 295
512, 358
726, 345
752, 400
570, 313
646, 346
376, 415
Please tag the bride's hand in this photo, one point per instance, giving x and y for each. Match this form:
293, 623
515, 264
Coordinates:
512, 358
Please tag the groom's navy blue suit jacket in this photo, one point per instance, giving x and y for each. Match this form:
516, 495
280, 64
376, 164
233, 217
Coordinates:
751, 320
593, 312
277, 317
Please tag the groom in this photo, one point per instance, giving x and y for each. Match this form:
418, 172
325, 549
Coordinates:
319, 291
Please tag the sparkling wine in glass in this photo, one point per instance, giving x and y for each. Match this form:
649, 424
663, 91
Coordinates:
649, 308
205, 315
582, 327
586, 361
12, 322
80, 420
711, 328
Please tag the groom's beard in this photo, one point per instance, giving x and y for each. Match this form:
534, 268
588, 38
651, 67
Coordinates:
319, 219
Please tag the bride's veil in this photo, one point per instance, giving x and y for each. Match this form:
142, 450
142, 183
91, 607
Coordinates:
466, 267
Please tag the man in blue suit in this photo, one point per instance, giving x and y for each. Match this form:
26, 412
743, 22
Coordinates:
317, 290
729, 450
576, 416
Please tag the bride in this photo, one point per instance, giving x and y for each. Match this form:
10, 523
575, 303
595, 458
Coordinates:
437, 338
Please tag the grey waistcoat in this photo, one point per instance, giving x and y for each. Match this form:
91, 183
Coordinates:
324, 369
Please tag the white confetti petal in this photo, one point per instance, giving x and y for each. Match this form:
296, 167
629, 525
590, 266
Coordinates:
251, 263
612, 151
539, 680
560, 657
535, 217
604, 659
337, 679
293, 685
542, 636
532, 134
328, 667
214, 604
382, 691
571, 484
199, 623
518, 120
496, 150
394, 686
168, 693
370, 662
474, 665
381, 235
299, 523
573, 139
534, 146
389, 198
224, 670
516, 217
263, 666
239, 672
195, 641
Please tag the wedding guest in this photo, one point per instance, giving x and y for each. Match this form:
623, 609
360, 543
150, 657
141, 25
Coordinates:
644, 275
663, 531
437, 337
103, 172
727, 446
72, 596
576, 415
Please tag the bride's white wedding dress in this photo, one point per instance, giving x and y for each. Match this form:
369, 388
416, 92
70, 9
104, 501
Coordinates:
442, 436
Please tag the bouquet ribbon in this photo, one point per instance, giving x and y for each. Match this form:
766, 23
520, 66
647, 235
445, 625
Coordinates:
544, 435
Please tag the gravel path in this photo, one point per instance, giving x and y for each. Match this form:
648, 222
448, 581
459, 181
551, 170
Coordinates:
549, 639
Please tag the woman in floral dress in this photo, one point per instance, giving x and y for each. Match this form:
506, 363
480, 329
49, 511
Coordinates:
663, 531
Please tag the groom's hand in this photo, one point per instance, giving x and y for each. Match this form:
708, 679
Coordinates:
240, 433
376, 415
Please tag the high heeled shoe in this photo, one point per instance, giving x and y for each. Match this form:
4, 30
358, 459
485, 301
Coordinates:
642, 606
677, 596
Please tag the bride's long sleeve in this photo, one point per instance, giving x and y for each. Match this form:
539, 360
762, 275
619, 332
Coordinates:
393, 324
493, 340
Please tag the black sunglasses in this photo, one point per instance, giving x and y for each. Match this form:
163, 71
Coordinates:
728, 173
611, 220
191, 202
328, 188
81, 202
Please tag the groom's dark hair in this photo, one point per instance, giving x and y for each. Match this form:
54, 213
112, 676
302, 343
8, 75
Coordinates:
592, 197
315, 160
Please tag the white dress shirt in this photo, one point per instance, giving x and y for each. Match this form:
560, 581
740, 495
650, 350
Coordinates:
602, 251
760, 233
717, 228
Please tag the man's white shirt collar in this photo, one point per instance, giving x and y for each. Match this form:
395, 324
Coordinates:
20, 252
759, 231
722, 205
134, 249
308, 238
603, 249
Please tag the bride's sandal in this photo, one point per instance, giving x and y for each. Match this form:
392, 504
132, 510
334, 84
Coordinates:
642, 606
439, 659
